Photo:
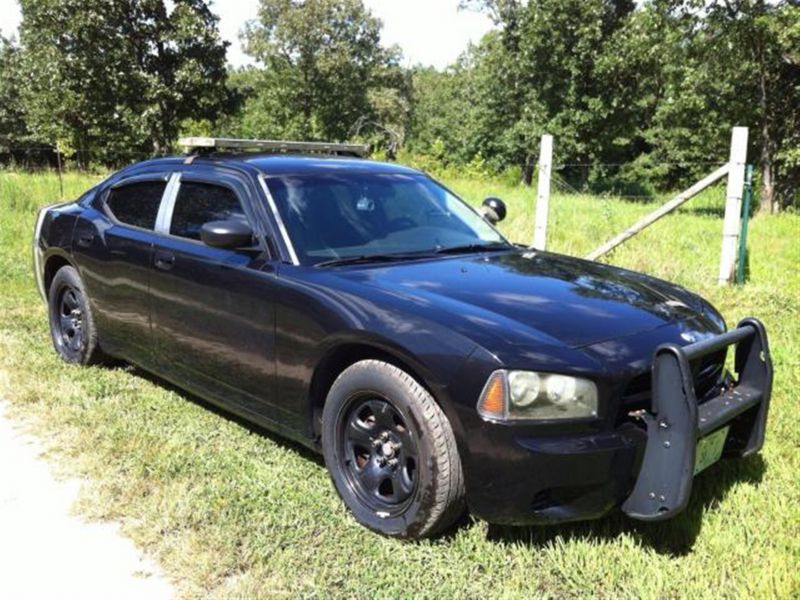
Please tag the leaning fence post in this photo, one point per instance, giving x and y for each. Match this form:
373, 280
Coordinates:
543, 193
733, 205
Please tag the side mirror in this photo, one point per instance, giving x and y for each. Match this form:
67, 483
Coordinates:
227, 234
494, 210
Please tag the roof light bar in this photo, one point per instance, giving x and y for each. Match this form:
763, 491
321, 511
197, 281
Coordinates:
195, 144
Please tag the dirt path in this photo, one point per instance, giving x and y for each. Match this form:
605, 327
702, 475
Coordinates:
45, 552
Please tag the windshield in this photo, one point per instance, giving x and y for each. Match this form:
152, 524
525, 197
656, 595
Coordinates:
340, 216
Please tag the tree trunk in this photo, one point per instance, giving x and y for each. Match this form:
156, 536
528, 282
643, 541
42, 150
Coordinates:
527, 172
768, 203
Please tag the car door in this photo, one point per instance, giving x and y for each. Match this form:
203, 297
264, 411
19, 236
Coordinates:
213, 309
113, 244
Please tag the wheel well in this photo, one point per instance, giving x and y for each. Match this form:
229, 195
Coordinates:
336, 361
51, 267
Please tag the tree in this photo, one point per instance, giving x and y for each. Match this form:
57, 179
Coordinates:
668, 103
719, 64
112, 79
785, 28
185, 71
324, 70
14, 131
766, 37
646, 94
442, 119
539, 74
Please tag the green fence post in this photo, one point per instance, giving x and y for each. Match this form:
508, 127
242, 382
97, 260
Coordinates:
748, 199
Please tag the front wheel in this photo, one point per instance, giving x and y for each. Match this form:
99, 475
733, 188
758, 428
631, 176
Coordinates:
391, 452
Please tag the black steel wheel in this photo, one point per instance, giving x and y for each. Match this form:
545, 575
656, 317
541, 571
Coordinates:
391, 452
71, 324
378, 453
69, 327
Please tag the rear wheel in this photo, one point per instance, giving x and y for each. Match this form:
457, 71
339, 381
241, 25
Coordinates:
391, 452
71, 324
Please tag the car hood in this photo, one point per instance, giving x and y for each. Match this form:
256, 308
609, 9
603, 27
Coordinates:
526, 296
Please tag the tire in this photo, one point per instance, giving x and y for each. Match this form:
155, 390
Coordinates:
391, 452
72, 326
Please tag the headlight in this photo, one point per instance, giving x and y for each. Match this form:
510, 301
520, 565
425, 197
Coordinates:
527, 395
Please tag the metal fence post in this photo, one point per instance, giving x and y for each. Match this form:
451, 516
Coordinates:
543, 193
741, 271
733, 205
60, 174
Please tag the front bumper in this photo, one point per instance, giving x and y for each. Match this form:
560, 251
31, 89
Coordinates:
675, 421
648, 471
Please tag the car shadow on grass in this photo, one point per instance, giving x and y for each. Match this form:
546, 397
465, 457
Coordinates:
675, 537
283, 441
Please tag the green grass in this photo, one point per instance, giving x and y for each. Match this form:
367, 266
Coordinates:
234, 513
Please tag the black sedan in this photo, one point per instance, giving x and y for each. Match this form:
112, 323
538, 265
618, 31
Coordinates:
364, 310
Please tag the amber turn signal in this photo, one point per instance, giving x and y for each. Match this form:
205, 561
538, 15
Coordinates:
492, 404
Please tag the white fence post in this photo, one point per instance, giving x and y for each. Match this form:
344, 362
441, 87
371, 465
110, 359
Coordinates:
543, 194
733, 205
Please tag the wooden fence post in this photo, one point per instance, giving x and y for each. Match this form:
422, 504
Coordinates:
733, 205
543, 193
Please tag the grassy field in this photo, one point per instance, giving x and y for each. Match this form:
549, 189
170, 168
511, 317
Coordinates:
231, 512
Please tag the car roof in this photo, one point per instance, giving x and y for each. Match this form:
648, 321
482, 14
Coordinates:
292, 164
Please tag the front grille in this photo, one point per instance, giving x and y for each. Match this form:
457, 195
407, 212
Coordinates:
707, 373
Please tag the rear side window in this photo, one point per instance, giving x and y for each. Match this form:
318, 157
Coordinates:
199, 203
136, 203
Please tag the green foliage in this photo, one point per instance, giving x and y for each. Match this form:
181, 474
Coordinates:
720, 66
113, 79
325, 74
442, 112
536, 75
784, 29
13, 127
638, 99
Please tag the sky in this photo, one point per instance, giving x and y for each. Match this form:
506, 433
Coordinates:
430, 32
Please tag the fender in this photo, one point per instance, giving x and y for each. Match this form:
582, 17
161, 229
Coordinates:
437, 382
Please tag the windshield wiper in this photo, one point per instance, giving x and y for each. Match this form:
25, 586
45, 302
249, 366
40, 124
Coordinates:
366, 258
378, 258
491, 247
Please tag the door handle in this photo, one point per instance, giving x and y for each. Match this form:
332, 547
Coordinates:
165, 261
85, 239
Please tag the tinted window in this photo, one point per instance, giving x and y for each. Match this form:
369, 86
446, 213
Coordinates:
199, 203
137, 203
341, 215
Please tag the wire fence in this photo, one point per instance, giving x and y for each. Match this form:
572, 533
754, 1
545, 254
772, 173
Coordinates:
38, 158
558, 166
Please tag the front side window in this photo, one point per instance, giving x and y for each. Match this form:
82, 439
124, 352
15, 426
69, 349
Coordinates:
136, 203
335, 216
200, 203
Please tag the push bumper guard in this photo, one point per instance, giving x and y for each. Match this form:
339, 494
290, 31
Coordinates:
676, 422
